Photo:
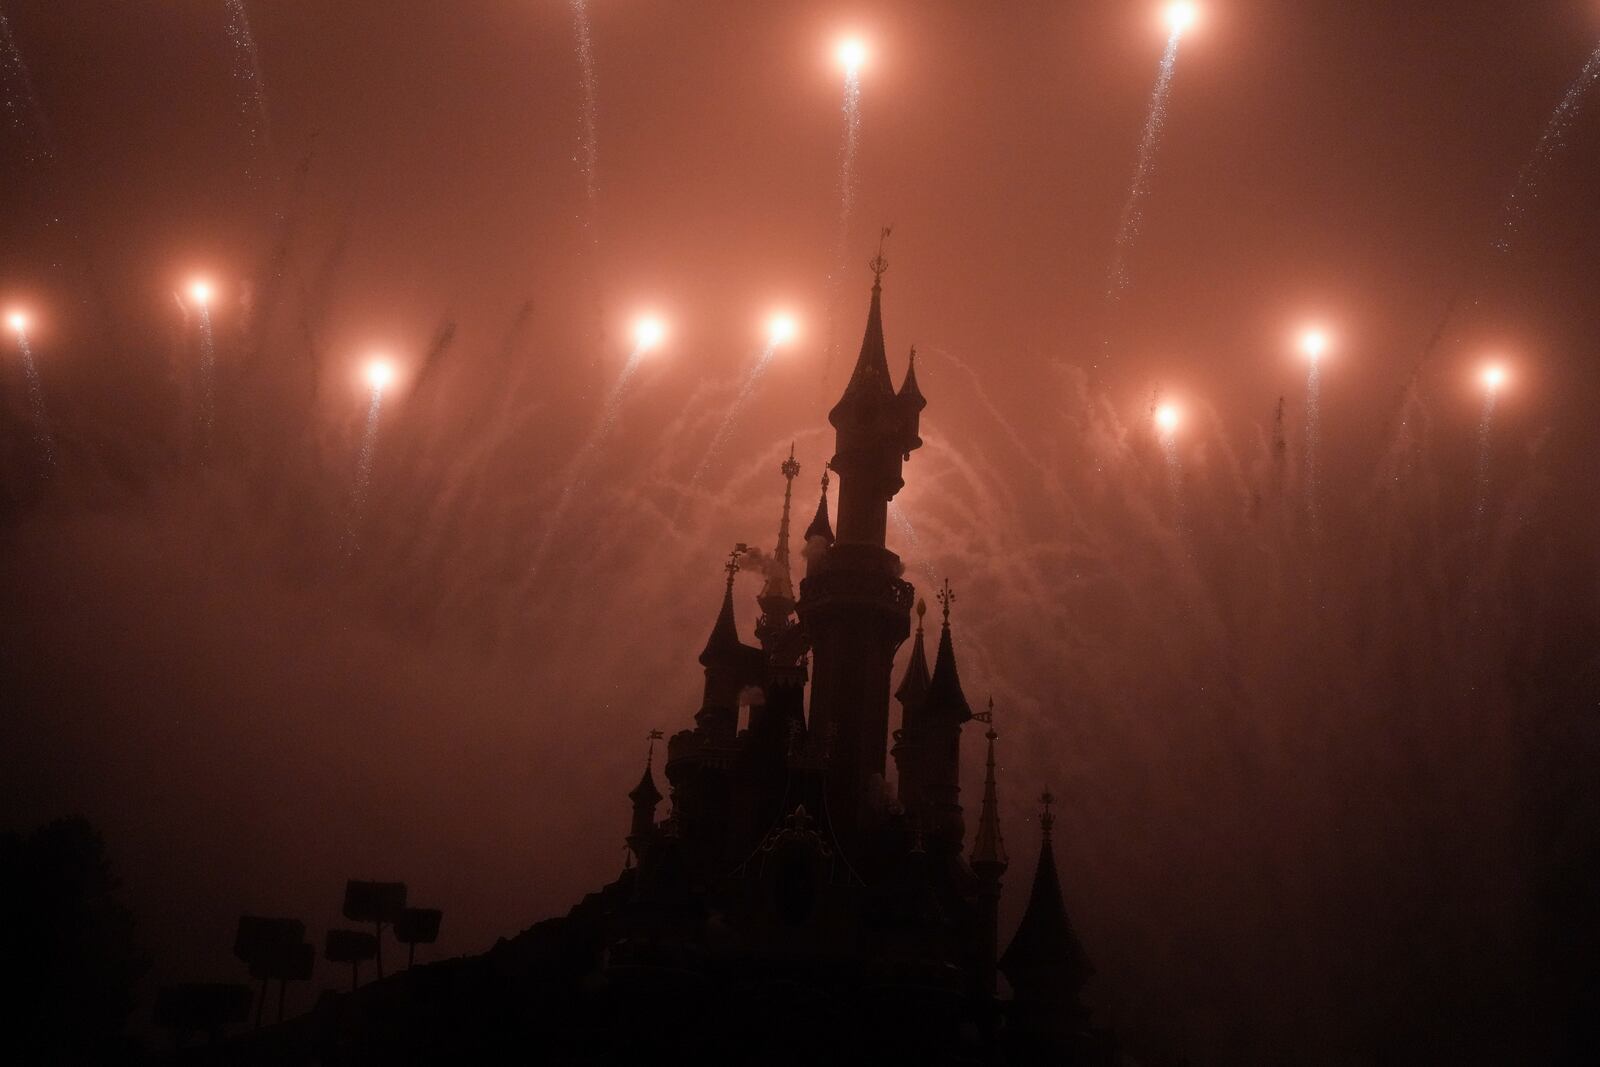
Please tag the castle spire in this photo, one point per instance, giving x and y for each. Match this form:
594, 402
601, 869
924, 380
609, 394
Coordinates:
724, 641
777, 595
989, 858
1045, 963
914, 686
945, 699
820, 526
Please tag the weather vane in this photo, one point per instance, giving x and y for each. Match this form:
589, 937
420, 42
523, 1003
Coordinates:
946, 598
790, 468
987, 716
879, 264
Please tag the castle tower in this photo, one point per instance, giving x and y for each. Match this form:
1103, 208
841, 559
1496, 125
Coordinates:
644, 798
853, 604
912, 693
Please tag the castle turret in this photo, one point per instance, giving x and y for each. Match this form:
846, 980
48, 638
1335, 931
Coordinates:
644, 797
1045, 963
854, 605
989, 863
727, 662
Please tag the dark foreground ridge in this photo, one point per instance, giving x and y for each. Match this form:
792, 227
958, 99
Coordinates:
790, 907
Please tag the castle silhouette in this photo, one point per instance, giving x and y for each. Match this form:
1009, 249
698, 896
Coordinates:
789, 906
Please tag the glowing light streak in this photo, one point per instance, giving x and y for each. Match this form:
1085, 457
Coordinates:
648, 333
851, 54
588, 116
20, 103
252, 86
1179, 17
1493, 377
1314, 344
1525, 191
42, 434
201, 293
379, 373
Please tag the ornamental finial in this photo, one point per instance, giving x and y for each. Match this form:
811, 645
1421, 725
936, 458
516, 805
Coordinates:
879, 264
946, 598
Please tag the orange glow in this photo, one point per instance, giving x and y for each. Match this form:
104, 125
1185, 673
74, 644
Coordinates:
1313, 343
1181, 16
201, 292
1494, 376
1167, 418
17, 321
781, 329
852, 52
380, 372
648, 332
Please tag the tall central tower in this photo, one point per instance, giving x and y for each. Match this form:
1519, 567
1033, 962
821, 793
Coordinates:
854, 605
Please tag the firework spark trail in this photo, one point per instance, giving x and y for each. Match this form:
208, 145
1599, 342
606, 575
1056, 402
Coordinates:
21, 104
1143, 171
42, 433
898, 514
577, 471
252, 87
1313, 439
589, 139
1550, 144
1485, 453
358, 496
724, 431
847, 200
208, 375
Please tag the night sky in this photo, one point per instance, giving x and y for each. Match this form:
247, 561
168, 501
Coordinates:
1324, 746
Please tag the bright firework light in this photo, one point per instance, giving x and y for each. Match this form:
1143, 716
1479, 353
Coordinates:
1179, 18
379, 373
1167, 418
200, 292
1313, 345
1493, 378
44, 437
851, 53
781, 329
647, 333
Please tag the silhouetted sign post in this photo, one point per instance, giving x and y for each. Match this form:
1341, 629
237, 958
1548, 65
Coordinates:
352, 947
272, 949
203, 1006
417, 926
376, 903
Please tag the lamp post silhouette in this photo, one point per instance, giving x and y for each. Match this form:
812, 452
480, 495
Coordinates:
352, 947
376, 903
271, 949
416, 926
203, 1006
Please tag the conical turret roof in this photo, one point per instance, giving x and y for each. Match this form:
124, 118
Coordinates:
1045, 939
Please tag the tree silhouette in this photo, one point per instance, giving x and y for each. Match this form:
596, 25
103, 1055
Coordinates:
70, 940
376, 903
417, 926
352, 947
